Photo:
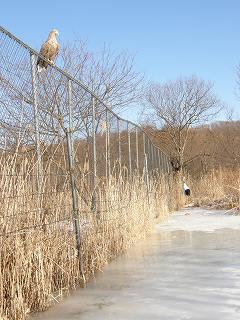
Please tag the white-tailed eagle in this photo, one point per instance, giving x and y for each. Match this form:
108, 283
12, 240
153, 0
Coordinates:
49, 50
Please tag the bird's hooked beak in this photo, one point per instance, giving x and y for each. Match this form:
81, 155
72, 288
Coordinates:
55, 31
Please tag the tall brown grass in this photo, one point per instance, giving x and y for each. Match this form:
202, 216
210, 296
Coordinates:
219, 188
38, 258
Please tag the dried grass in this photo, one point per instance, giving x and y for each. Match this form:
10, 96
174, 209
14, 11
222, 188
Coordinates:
218, 188
38, 258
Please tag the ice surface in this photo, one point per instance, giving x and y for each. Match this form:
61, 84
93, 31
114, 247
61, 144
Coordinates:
199, 219
188, 269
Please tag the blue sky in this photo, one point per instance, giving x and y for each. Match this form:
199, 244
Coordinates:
169, 38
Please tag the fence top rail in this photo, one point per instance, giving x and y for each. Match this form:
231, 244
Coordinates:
77, 82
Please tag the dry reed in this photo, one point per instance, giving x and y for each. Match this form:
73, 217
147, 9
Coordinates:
38, 258
219, 188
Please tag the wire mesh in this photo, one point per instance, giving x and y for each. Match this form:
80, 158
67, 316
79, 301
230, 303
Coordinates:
38, 111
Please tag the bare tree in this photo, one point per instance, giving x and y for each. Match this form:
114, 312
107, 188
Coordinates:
176, 107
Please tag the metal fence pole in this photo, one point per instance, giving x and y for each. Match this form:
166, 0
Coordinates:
137, 158
119, 142
37, 135
146, 173
151, 156
129, 150
161, 161
168, 168
94, 181
144, 143
70, 125
144, 149
147, 151
169, 165
154, 158
74, 199
165, 164
70, 153
158, 158
107, 147
36, 123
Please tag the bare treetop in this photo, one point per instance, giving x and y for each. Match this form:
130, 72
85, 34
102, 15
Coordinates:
177, 106
183, 102
111, 76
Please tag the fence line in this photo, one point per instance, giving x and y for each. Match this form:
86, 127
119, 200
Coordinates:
32, 51
75, 136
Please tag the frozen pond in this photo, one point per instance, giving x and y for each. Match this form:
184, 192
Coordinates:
189, 269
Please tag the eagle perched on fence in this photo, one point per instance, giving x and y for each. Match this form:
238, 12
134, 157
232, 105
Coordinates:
49, 50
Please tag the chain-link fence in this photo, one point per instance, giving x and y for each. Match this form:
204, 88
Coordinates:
60, 144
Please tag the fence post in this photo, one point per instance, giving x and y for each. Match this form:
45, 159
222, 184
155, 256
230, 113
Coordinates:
94, 182
36, 124
154, 158
146, 175
70, 103
119, 143
129, 151
158, 157
161, 162
165, 163
107, 149
74, 199
137, 160
70, 154
144, 150
147, 145
169, 166
151, 156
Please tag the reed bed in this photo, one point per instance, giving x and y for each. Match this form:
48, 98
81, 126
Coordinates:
219, 188
38, 258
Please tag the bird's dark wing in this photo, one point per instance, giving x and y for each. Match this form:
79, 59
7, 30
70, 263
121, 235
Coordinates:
44, 51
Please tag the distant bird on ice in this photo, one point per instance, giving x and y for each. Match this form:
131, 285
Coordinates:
49, 50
